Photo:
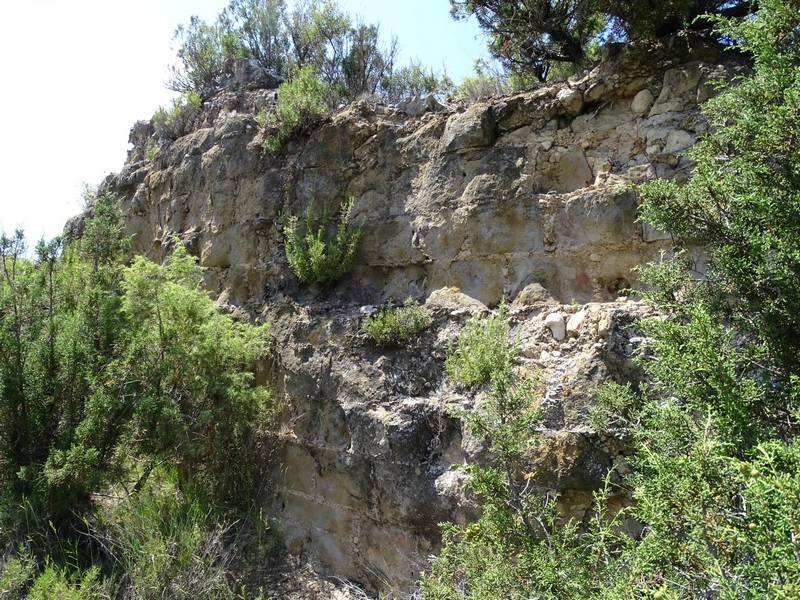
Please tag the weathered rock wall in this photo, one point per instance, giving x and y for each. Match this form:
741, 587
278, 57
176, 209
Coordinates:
526, 197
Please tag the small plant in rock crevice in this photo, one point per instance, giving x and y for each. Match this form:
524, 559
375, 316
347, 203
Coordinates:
150, 150
393, 326
316, 257
482, 349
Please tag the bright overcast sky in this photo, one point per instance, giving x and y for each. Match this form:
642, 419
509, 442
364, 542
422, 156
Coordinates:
78, 73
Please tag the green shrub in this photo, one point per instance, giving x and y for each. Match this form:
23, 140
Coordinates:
481, 352
166, 546
180, 120
302, 102
54, 583
314, 256
200, 53
16, 572
392, 326
150, 150
111, 375
415, 80
491, 559
713, 467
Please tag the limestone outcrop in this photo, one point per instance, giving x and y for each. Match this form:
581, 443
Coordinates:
527, 198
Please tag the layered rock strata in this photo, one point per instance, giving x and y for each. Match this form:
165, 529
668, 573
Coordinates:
528, 198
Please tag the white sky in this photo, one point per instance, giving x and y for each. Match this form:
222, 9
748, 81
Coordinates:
78, 73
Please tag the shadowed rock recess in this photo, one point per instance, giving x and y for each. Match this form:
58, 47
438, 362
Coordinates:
526, 197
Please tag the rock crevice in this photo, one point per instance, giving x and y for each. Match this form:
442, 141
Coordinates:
527, 198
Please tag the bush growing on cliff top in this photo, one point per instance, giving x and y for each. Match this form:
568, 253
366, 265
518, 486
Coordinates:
315, 256
302, 102
200, 55
344, 53
175, 122
415, 80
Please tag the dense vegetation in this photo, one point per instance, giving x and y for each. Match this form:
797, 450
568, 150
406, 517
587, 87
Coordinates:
529, 36
393, 326
322, 55
345, 54
127, 409
130, 425
715, 469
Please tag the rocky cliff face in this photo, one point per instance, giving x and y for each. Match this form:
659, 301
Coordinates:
526, 198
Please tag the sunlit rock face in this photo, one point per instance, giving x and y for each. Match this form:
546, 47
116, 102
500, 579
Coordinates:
527, 198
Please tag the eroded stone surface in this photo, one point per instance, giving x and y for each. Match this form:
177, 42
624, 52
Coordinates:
524, 198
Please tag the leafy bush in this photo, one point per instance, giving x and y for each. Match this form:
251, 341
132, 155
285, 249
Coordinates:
393, 326
302, 102
104, 367
316, 257
181, 119
715, 466
16, 572
529, 37
257, 29
477, 561
743, 200
481, 352
55, 583
150, 150
415, 80
201, 51
111, 377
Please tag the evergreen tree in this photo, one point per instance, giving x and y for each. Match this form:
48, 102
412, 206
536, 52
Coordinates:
528, 36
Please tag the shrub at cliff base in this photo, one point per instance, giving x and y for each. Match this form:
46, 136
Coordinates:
128, 429
715, 469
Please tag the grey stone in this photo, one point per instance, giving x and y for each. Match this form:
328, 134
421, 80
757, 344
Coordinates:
245, 73
418, 105
675, 83
678, 141
595, 92
651, 234
473, 128
569, 173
